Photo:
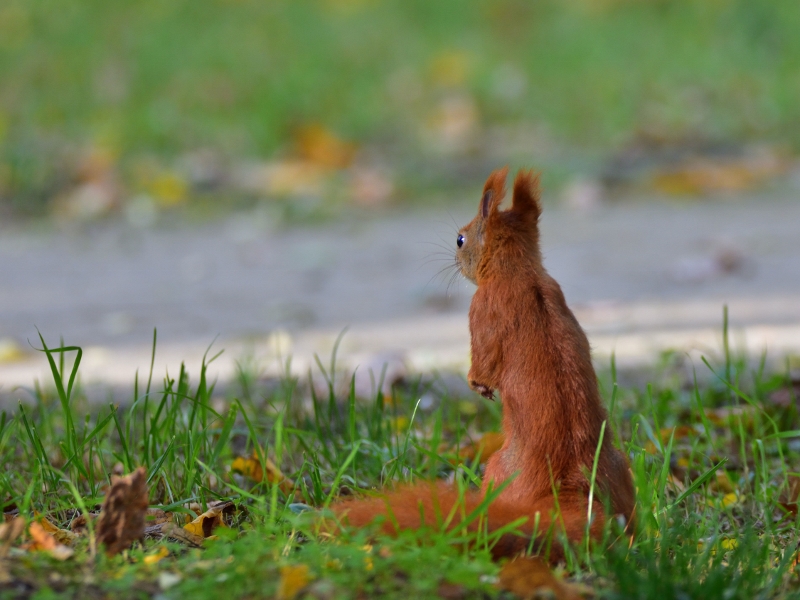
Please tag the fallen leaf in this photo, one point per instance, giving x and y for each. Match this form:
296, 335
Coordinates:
721, 175
680, 432
10, 351
251, 468
723, 482
399, 424
281, 178
368, 564
484, 448
10, 511
789, 497
154, 519
121, 519
321, 146
62, 536
729, 544
205, 524
731, 416
171, 530
726, 501
450, 68
527, 576
9, 532
156, 556
79, 524
42, 541
293, 579
169, 189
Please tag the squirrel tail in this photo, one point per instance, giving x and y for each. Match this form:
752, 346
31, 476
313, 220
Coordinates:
547, 521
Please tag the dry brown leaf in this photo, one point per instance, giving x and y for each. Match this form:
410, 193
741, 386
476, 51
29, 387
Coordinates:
9, 532
723, 483
680, 432
790, 495
121, 519
205, 524
293, 579
10, 511
486, 446
180, 534
79, 525
251, 468
528, 576
155, 518
42, 541
62, 536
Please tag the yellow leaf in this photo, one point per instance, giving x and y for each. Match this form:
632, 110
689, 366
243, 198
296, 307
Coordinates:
729, 544
724, 482
293, 579
334, 564
729, 500
368, 564
484, 448
156, 556
10, 351
251, 468
399, 424
204, 524
450, 68
169, 189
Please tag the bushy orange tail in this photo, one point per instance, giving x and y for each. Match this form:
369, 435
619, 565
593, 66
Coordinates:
441, 507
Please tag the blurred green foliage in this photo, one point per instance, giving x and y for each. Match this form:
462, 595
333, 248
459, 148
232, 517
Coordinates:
165, 77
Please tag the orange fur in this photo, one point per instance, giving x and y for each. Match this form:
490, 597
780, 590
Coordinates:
527, 344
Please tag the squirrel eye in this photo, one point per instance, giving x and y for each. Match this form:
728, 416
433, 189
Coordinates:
460, 240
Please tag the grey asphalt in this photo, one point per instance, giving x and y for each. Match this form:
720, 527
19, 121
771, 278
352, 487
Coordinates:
633, 271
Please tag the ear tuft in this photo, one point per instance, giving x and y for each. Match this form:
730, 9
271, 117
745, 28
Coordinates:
526, 201
494, 190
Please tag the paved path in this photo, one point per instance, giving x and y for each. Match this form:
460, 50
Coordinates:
641, 277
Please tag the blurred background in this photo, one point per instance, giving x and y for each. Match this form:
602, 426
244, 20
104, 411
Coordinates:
270, 172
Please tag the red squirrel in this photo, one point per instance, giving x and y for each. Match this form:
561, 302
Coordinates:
526, 344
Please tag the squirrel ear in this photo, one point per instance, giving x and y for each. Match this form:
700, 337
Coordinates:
526, 195
486, 203
493, 192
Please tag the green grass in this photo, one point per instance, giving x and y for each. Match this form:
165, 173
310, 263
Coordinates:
151, 81
710, 522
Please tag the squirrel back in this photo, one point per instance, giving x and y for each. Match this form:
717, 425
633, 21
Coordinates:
526, 344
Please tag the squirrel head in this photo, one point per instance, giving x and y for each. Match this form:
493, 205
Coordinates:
497, 240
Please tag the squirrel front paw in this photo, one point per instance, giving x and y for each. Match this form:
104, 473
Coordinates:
483, 390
